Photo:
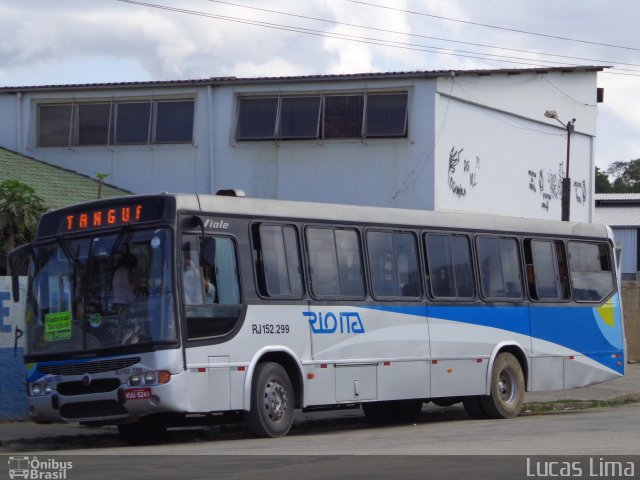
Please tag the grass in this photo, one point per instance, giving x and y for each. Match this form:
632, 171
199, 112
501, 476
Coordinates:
542, 407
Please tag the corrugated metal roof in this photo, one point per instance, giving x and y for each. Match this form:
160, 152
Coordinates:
617, 198
56, 186
617, 215
302, 78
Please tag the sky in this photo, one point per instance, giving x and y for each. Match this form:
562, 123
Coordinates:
45, 42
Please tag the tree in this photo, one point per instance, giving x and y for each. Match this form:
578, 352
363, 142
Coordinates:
20, 209
101, 178
602, 182
626, 176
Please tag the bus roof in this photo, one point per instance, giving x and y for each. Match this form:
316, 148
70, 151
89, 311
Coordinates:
309, 211
297, 210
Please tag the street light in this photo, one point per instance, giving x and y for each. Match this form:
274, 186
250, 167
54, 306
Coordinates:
566, 181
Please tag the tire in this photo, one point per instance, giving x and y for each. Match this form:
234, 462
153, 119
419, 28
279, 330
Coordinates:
507, 388
394, 411
473, 407
142, 432
272, 402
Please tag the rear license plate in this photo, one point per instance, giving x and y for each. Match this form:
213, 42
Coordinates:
137, 393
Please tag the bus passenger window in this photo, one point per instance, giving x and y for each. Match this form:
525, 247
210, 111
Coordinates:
499, 263
278, 261
323, 262
393, 261
545, 261
590, 271
349, 263
450, 267
335, 262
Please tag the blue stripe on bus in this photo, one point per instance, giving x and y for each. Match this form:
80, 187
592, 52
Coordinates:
581, 329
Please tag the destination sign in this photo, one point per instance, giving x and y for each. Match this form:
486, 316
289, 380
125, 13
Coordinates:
114, 215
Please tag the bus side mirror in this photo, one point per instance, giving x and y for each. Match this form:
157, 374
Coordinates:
19, 265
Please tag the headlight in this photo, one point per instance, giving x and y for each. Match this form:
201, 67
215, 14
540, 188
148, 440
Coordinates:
48, 389
36, 389
150, 378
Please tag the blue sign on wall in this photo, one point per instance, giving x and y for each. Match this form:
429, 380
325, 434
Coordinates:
13, 397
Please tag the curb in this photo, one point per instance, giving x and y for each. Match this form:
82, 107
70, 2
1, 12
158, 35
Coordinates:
558, 405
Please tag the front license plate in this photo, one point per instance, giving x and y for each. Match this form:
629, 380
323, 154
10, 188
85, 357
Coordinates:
137, 393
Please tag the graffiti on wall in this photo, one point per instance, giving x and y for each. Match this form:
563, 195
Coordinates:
548, 184
462, 176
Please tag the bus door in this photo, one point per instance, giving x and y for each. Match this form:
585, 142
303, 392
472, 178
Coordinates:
211, 302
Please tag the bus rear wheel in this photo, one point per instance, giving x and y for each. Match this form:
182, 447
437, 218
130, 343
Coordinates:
473, 407
507, 388
272, 401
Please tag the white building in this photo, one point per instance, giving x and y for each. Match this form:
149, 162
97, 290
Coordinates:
443, 140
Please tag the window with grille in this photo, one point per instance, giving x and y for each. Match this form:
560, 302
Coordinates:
322, 116
115, 123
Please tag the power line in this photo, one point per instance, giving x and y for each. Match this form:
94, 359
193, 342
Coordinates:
495, 26
475, 44
359, 39
341, 36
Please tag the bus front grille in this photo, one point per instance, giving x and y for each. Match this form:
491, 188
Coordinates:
96, 386
89, 367
100, 408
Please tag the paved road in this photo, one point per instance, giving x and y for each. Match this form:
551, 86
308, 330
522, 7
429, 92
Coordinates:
444, 443
610, 431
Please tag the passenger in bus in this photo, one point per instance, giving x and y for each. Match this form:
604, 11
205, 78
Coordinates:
125, 286
209, 288
195, 279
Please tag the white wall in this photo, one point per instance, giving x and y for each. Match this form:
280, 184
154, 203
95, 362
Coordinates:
139, 168
390, 172
8, 121
510, 162
511, 158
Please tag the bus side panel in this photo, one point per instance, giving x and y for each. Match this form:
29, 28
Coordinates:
378, 352
575, 346
217, 371
462, 340
404, 379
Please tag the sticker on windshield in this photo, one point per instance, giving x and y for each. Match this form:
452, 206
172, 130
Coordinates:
95, 320
57, 326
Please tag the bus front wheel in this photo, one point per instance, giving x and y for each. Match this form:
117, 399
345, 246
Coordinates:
507, 388
272, 401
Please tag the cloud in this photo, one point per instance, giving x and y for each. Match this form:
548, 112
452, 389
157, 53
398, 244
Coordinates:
74, 41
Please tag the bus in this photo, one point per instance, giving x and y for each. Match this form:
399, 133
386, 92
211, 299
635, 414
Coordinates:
248, 309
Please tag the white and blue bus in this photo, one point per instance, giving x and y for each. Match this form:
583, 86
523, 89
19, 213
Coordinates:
160, 310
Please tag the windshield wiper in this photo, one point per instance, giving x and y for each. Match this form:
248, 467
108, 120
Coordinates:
64, 245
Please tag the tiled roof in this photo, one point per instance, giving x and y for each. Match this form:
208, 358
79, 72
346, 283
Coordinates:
214, 81
56, 186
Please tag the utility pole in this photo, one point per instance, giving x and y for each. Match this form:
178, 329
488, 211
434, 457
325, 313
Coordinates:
566, 181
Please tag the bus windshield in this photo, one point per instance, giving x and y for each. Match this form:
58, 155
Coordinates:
101, 292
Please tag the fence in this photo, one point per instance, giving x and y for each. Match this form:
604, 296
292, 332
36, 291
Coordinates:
631, 307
